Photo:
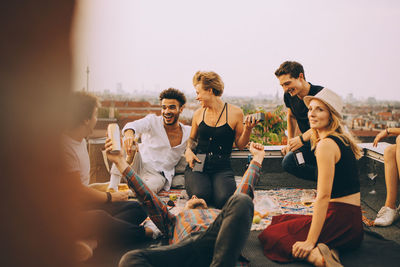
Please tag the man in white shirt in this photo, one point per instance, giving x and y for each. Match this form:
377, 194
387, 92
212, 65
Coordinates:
163, 142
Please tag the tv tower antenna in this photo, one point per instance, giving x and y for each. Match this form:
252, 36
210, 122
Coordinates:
87, 78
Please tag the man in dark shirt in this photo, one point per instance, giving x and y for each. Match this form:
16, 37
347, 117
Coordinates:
291, 77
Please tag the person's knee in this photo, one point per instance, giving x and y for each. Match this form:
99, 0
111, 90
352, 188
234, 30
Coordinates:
133, 258
389, 153
242, 202
398, 140
155, 188
288, 162
154, 183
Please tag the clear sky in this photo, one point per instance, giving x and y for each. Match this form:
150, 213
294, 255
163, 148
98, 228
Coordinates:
350, 46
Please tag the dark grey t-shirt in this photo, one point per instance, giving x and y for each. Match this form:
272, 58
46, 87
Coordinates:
298, 107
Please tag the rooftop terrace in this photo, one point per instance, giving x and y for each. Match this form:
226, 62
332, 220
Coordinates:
373, 193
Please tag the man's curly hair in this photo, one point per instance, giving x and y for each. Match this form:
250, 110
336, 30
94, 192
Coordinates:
172, 93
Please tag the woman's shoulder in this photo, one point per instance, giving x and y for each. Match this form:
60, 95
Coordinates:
326, 144
198, 112
234, 109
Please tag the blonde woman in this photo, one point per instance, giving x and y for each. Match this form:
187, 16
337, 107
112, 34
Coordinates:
336, 220
215, 127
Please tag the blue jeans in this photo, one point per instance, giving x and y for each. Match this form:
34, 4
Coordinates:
219, 245
308, 171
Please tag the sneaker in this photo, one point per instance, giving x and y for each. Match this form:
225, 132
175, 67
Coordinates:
156, 232
386, 216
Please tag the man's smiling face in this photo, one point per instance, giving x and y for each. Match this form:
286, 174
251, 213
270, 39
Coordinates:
290, 85
170, 110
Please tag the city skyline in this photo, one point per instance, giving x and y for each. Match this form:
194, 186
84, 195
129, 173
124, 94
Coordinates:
348, 46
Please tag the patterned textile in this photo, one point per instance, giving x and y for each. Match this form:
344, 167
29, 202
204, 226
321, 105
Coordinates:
288, 201
191, 220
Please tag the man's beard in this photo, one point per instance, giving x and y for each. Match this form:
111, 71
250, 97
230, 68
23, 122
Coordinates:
174, 119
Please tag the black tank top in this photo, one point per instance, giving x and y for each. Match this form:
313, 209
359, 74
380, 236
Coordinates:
345, 181
216, 142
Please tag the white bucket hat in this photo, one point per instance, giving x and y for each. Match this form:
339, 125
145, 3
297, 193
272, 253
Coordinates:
329, 98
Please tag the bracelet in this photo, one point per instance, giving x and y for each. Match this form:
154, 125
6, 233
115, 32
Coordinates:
387, 131
301, 139
109, 197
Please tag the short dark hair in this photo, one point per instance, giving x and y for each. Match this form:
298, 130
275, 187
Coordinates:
81, 106
290, 67
172, 93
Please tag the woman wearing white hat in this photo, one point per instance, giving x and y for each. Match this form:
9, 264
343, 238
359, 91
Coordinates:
336, 222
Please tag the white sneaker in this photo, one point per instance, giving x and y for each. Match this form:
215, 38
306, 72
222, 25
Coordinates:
386, 216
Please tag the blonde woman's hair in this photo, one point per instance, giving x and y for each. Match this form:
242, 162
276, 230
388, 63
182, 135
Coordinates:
209, 80
337, 129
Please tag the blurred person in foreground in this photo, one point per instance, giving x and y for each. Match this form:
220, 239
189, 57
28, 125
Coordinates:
336, 222
163, 141
198, 235
389, 213
38, 201
111, 217
293, 81
216, 126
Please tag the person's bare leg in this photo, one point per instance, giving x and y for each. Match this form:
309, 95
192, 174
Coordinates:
315, 258
392, 160
397, 163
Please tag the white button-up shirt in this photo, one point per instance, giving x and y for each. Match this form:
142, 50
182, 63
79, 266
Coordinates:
155, 148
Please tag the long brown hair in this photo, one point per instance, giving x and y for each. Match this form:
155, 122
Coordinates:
337, 129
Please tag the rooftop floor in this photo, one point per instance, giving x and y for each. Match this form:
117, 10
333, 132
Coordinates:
373, 193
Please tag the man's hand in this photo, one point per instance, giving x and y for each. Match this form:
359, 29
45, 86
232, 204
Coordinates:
116, 158
294, 143
191, 157
382, 134
257, 150
119, 196
129, 141
301, 250
285, 150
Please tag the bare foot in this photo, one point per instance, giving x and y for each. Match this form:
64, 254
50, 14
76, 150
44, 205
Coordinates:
315, 258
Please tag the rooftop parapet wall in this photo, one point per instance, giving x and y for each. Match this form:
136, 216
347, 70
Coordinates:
371, 162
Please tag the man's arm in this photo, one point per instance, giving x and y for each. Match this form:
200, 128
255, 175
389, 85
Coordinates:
93, 196
157, 210
291, 123
295, 143
253, 172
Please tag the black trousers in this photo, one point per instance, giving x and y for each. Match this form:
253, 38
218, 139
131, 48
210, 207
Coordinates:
219, 245
215, 187
308, 171
116, 222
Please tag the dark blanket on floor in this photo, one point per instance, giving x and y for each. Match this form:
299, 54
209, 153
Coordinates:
374, 251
